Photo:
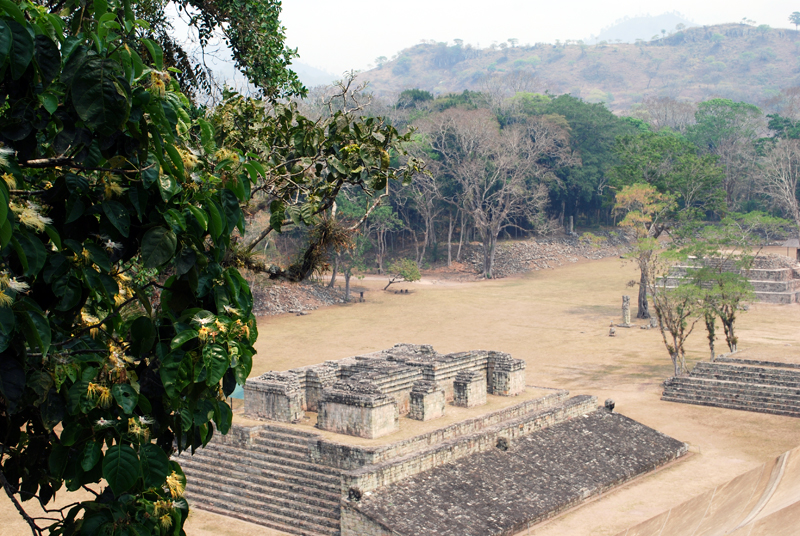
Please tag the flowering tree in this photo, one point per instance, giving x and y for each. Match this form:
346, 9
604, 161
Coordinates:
124, 322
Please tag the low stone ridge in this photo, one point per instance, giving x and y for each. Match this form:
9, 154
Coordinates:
762, 387
501, 492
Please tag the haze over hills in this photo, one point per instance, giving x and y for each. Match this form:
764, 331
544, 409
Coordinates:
628, 30
736, 61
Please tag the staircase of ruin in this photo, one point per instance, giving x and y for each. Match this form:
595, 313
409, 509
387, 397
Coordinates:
759, 386
771, 285
271, 483
275, 479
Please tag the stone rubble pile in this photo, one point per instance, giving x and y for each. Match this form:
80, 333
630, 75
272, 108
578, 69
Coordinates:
278, 298
545, 253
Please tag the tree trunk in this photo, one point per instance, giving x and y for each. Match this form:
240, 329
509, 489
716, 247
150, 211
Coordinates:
450, 241
489, 246
335, 271
730, 336
643, 311
675, 363
347, 275
711, 329
461, 234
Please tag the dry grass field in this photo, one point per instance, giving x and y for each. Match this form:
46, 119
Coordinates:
557, 321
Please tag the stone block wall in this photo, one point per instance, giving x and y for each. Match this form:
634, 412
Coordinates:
469, 389
506, 375
276, 396
343, 456
358, 409
427, 401
372, 477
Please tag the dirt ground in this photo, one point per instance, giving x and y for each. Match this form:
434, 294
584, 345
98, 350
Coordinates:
557, 321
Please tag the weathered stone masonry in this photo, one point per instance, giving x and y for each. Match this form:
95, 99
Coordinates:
294, 480
366, 395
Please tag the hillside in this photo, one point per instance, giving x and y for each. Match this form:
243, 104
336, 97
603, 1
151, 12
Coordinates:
734, 61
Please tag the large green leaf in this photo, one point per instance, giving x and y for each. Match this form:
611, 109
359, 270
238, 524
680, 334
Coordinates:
37, 330
183, 337
158, 246
100, 95
243, 367
217, 362
225, 417
12, 9
121, 468
118, 215
48, 59
6, 39
21, 50
126, 396
143, 335
91, 454
155, 465
35, 252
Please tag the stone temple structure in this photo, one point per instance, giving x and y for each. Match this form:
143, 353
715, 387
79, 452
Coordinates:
366, 395
377, 464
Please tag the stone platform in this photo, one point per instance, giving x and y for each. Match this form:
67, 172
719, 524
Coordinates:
744, 384
517, 484
461, 430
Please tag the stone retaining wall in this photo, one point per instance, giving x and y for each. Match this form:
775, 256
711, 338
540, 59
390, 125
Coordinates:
382, 474
345, 456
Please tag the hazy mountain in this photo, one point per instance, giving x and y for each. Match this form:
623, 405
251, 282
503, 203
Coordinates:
630, 29
734, 61
311, 76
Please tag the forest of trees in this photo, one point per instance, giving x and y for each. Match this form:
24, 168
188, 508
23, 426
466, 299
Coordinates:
509, 163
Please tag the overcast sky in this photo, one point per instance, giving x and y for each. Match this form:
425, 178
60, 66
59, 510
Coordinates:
340, 35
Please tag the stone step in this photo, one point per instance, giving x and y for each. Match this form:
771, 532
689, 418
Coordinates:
756, 363
779, 297
752, 380
286, 435
278, 451
733, 395
749, 374
271, 485
745, 392
289, 506
283, 445
750, 402
236, 501
730, 405
251, 471
277, 457
786, 285
256, 516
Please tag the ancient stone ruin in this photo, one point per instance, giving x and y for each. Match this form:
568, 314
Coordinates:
366, 395
498, 472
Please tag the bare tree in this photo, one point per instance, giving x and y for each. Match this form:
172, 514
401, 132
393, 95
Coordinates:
500, 172
780, 167
663, 112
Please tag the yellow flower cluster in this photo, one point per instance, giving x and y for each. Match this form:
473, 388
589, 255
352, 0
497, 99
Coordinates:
10, 283
29, 215
176, 485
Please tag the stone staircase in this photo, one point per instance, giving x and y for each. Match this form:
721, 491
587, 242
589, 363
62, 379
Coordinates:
744, 385
771, 285
270, 483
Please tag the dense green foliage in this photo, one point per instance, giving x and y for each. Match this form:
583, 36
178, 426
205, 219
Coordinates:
124, 321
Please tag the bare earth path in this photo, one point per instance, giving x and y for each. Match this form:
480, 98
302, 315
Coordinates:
557, 320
